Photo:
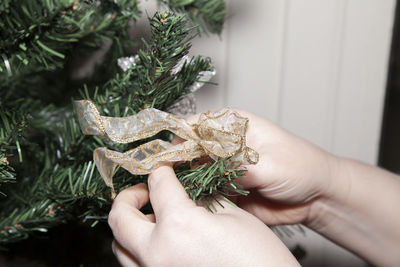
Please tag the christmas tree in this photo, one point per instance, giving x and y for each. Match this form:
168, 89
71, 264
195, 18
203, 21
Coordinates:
52, 194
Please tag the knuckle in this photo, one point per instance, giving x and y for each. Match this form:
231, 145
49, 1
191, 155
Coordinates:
121, 195
150, 180
154, 177
113, 217
159, 173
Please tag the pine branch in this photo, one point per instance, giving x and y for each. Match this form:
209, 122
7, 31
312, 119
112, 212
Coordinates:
40, 40
7, 173
211, 181
57, 176
209, 14
20, 222
14, 121
152, 82
66, 195
43, 33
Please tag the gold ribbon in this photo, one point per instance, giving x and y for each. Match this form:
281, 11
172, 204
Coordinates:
220, 134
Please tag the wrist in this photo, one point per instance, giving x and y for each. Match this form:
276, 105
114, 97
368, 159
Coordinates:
356, 211
339, 181
336, 189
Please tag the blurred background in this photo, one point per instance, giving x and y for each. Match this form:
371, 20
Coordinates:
319, 69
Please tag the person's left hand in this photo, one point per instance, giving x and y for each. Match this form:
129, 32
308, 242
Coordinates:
183, 234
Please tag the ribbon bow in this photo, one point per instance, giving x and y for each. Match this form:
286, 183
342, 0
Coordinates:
220, 134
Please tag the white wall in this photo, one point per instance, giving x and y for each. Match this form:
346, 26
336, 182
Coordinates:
317, 68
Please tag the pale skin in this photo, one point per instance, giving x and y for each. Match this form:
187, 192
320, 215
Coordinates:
353, 204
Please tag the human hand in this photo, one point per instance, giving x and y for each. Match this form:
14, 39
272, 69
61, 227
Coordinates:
296, 182
290, 176
183, 234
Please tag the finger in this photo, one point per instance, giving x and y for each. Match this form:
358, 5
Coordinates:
166, 192
123, 256
131, 228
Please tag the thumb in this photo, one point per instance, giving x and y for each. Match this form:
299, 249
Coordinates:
166, 192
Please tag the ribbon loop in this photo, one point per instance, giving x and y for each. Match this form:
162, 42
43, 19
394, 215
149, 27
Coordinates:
220, 134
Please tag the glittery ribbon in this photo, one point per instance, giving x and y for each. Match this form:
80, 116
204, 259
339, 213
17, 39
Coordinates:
220, 134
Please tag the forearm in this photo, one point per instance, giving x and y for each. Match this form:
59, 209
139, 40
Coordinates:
361, 212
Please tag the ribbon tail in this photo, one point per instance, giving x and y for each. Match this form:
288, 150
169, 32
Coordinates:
106, 167
144, 159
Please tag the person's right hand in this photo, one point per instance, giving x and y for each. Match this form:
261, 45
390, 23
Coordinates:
179, 233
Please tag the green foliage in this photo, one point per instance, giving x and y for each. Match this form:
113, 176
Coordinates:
209, 13
43, 33
47, 175
211, 181
13, 123
152, 82
57, 180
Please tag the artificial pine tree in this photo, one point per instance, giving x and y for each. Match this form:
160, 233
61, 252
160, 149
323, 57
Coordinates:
51, 190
